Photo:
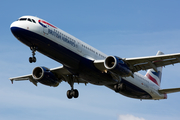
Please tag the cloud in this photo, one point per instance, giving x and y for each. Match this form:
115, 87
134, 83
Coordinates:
129, 117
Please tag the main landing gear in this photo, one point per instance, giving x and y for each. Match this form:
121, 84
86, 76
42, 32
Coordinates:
33, 58
73, 92
120, 87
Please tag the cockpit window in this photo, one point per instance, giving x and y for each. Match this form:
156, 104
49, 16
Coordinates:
34, 21
29, 20
23, 19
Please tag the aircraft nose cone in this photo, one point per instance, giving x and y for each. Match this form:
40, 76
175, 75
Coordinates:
12, 27
15, 30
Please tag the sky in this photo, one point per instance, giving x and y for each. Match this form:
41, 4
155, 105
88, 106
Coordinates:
116, 27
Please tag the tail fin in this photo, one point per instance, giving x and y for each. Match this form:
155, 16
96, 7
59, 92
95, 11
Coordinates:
153, 75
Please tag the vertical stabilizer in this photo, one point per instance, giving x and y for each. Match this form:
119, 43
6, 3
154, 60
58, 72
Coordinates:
155, 76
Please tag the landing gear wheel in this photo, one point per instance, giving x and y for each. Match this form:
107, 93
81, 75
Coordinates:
32, 59
72, 93
117, 88
120, 87
75, 93
69, 94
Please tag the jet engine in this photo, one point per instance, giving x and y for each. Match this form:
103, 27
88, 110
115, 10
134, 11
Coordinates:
117, 66
45, 76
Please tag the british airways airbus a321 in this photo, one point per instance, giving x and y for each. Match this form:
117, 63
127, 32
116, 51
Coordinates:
85, 64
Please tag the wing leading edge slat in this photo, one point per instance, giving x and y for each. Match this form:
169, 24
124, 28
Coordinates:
59, 72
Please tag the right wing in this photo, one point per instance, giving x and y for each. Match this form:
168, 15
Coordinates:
60, 73
144, 63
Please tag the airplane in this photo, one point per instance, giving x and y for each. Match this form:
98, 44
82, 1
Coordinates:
81, 63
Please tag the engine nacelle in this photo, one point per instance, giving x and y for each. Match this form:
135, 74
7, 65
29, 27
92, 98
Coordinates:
117, 65
45, 76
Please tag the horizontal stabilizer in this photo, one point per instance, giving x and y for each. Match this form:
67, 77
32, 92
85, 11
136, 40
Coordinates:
166, 91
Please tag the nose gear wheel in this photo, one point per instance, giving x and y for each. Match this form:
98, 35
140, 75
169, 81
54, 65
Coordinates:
32, 59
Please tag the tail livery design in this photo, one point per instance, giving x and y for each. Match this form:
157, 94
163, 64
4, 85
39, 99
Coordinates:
153, 75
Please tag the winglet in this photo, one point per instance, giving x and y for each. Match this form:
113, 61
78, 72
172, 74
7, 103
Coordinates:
12, 81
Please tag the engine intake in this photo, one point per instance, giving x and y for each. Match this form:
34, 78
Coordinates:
118, 66
45, 76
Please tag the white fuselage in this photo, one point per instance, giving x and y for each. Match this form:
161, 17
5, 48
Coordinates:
84, 50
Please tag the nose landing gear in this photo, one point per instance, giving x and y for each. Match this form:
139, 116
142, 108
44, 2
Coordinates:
33, 58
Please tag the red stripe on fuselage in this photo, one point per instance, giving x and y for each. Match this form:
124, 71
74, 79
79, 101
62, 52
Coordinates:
47, 23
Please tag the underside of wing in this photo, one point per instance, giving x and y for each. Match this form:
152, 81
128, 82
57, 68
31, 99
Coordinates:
56, 74
64, 74
25, 77
100, 65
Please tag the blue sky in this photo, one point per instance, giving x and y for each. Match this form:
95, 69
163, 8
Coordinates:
123, 28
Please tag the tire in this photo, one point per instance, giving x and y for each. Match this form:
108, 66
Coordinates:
122, 87
69, 95
34, 59
75, 93
116, 88
30, 59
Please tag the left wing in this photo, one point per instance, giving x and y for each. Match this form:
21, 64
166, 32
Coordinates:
166, 91
59, 72
144, 63
24, 77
